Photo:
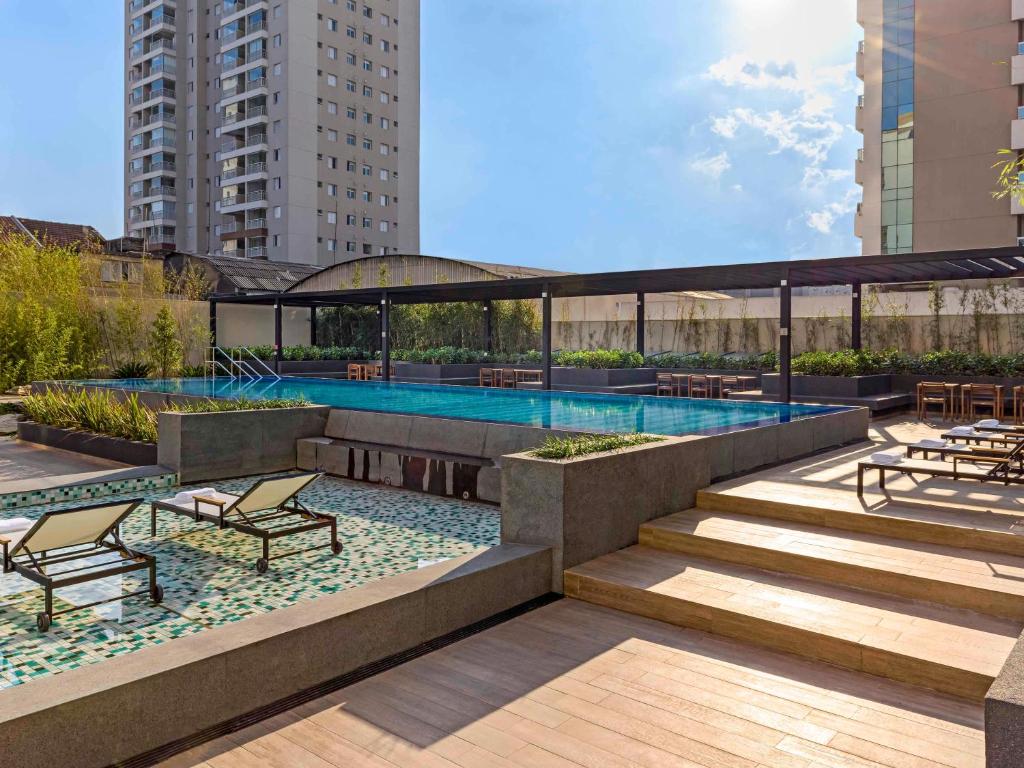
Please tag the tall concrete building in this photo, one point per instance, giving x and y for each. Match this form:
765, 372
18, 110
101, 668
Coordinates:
941, 95
273, 129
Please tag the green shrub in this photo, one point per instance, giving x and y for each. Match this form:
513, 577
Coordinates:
599, 358
164, 346
581, 445
460, 356
239, 404
192, 371
764, 361
132, 370
848, 362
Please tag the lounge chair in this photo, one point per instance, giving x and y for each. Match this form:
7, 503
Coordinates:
66, 538
269, 510
1000, 469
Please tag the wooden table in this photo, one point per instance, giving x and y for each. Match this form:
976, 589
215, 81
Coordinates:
747, 382
1018, 403
527, 376
677, 383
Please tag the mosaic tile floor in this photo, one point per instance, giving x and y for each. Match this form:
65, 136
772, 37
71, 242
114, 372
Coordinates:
209, 577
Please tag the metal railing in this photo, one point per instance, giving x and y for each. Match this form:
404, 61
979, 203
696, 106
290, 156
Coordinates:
239, 363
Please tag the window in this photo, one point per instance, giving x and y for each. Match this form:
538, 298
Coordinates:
385, 123
278, 11
332, 52
277, 69
383, 226
332, 25
350, 113
367, 170
332, 245
277, 211
276, 98
367, 38
350, 139
367, 197
367, 118
332, 135
383, 98
350, 32
332, 190
332, 80
350, 193
367, 11
385, 46
367, 91
350, 166
367, 65
332, 162
276, 241
350, 58
350, 86
384, 72
350, 247
277, 182
367, 222
276, 126
277, 155
332, 107
277, 41
367, 249
350, 219
383, 149
350, 5
384, 200
332, 217
383, 174
384, 19
367, 143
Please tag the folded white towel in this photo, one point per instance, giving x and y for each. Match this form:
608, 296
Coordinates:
931, 443
987, 423
886, 458
185, 497
961, 430
15, 524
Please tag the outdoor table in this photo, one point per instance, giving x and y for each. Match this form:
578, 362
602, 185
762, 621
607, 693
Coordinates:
1018, 403
950, 392
746, 382
714, 380
527, 375
677, 383
965, 398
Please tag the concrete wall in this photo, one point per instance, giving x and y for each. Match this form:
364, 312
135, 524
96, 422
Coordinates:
1004, 713
108, 712
243, 325
211, 446
586, 507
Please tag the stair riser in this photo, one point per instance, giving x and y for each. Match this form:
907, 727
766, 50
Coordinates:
887, 582
780, 637
860, 522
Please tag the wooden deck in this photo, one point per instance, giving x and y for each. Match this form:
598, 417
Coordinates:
573, 684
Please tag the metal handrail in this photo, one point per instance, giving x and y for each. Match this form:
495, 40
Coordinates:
270, 371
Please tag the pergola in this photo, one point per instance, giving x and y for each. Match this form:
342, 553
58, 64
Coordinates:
973, 264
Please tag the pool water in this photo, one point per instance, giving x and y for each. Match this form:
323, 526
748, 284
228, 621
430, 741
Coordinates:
572, 411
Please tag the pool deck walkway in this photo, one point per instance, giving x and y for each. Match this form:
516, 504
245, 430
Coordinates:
573, 684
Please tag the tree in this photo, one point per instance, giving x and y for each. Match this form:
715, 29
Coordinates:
1009, 178
164, 345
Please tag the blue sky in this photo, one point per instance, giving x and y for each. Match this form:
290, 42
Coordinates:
573, 134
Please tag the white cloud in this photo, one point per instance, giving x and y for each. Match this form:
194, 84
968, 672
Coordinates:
822, 219
725, 126
817, 178
712, 166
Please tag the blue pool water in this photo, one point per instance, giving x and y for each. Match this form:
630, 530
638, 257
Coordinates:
575, 411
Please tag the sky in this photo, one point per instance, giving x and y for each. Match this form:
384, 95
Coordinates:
582, 135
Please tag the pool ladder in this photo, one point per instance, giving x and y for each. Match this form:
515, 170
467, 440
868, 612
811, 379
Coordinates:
235, 366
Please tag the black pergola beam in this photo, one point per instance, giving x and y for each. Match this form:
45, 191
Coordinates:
545, 338
785, 324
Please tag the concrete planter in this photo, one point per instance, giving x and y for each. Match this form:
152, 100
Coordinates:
439, 373
102, 446
831, 386
904, 382
212, 446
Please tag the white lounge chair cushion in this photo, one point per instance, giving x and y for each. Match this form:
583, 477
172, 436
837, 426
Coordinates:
71, 527
14, 524
886, 458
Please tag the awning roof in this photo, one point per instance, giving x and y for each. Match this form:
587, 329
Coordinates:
970, 264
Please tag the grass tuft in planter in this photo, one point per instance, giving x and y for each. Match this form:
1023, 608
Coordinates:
581, 445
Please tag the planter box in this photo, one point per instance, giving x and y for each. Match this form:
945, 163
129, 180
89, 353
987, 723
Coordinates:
431, 373
904, 382
213, 446
102, 446
830, 386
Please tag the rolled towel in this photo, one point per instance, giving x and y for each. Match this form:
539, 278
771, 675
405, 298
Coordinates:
15, 524
886, 458
185, 497
929, 442
961, 430
987, 423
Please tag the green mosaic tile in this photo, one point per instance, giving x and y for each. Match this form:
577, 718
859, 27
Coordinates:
209, 577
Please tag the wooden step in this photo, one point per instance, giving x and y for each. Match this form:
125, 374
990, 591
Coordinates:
947, 649
963, 578
984, 530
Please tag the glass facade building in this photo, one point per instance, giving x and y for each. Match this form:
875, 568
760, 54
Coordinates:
898, 127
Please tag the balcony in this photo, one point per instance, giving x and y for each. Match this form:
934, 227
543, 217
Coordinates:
160, 44
858, 119
860, 60
248, 170
259, 252
1017, 10
858, 221
160, 117
1017, 69
858, 167
256, 139
157, 20
251, 113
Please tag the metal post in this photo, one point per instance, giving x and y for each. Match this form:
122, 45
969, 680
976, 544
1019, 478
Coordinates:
213, 323
545, 332
640, 330
277, 336
785, 323
312, 326
488, 327
385, 346
855, 317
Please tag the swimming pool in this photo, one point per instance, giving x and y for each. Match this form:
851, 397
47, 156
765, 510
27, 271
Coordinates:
573, 411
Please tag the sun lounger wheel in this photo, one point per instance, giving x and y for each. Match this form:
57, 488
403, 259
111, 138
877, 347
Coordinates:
43, 621
262, 565
156, 594
336, 547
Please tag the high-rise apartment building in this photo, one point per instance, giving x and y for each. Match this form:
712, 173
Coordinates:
280, 129
942, 94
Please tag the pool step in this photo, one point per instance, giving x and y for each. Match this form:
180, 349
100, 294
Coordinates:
987, 530
947, 649
961, 578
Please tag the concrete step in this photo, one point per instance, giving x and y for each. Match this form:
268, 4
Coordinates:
987, 530
986, 582
946, 649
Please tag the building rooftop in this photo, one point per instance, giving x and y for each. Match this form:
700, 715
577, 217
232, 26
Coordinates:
255, 275
53, 232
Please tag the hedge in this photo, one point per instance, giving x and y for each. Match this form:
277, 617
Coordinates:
764, 361
848, 362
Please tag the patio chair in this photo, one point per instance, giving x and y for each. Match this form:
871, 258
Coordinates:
269, 510
486, 377
74, 546
700, 386
1001, 468
728, 385
355, 372
664, 384
986, 397
931, 393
